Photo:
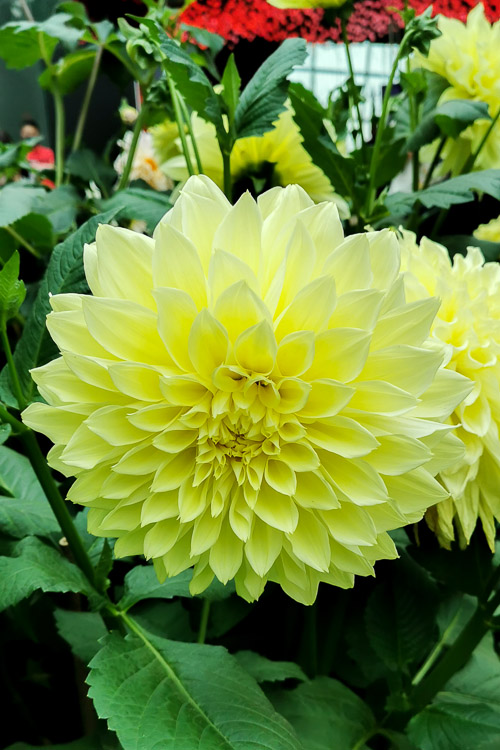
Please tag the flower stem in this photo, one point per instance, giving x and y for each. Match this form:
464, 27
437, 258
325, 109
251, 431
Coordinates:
381, 128
345, 39
82, 118
189, 124
16, 385
434, 162
180, 125
473, 157
22, 241
205, 611
228, 186
133, 146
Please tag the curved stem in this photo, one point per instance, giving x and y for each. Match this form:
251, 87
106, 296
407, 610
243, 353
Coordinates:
19, 238
133, 146
228, 184
434, 162
380, 129
80, 126
180, 125
202, 631
345, 39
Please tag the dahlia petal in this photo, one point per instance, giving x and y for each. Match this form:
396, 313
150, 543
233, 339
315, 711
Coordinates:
120, 487
86, 449
118, 250
280, 477
160, 538
112, 425
263, 547
410, 368
136, 380
299, 456
293, 395
91, 370
122, 519
154, 418
408, 324
356, 479
310, 310
398, 454
349, 264
325, 228
315, 492
300, 259
276, 509
414, 491
357, 309
239, 308
295, 353
339, 354
384, 397
69, 331
343, 436
444, 394
326, 399
160, 506
255, 349
476, 417
174, 304
225, 270
176, 264
349, 524
350, 559
174, 471
192, 501
58, 424
174, 441
207, 343
125, 329
385, 257
240, 517
239, 233
310, 541
182, 391
128, 544
226, 554
206, 530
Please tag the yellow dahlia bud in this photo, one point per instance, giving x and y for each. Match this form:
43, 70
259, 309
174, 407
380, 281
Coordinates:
489, 231
468, 322
466, 55
277, 157
248, 393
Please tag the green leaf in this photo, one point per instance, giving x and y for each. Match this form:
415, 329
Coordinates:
138, 203
466, 713
325, 714
59, 206
20, 40
263, 98
450, 192
64, 274
12, 290
164, 694
309, 114
142, 583
192, 82
37, 230
455, 115
231, 84
70, 71
89, 167
86, 743
24, 510
265, 670
35, 565
82, 631
17, 200
398, 628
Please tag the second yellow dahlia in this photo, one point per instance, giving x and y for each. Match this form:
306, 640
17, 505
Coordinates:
248, 393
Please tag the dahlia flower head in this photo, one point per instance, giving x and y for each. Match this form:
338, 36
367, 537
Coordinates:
468, 323
467, 56
248, 393
281, 148
146, 164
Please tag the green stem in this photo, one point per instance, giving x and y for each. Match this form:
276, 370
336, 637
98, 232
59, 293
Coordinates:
180, 125
381, 128
202, 630
82, 118
415, 159
228, 185
16, 385
472, 158
133, 146
58, 108
26, 10
189, 124
434, 162
19, 238
345, 39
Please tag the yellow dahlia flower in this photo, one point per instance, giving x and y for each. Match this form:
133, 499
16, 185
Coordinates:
280, 149
248, 393
468, 323
146, 164
489, 231
467, 55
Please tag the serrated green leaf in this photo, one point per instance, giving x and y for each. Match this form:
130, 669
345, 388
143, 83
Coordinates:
159, 693
37, 230
24, 510
266, 670
12, 290
263, 98
82, 631
59, 206
17, 200
325, 714
64, 274
138, 203
34, 565
466, 714
455, 115
399, 629
142, 583
449, 192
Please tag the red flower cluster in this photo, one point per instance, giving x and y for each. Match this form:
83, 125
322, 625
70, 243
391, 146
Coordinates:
371, 19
